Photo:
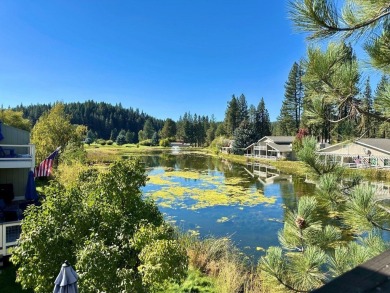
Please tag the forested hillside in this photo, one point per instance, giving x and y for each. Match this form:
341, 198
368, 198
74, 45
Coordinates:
99, 117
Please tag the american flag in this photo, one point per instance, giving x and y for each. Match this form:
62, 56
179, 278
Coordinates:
44, 168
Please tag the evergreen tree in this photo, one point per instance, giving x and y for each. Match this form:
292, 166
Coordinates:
367, 100
148, 129
221, 130
129, 136
244, 135
100, 117
313, 248
263, 123
91, 137
382, 93
120, 139
286, 124
291, 111
354, 19
331, 91
169, 129
232, 116
242, 109
114, 134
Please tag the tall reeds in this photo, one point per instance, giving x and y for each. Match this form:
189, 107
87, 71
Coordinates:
221, 260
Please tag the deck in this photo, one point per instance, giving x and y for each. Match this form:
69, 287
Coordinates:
371, 276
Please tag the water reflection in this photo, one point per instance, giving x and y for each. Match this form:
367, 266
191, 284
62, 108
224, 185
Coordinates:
215, 197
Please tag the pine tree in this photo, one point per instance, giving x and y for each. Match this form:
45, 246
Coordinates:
244, 135
232, 116
286, 124
130, 136
148, 129
169, 129
382, 93
114, 134
242, 109
367, 100
331, 91
356, 18
293, 102
263, 123
312, 248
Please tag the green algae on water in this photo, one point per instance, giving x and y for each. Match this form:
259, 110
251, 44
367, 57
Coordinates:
207, 191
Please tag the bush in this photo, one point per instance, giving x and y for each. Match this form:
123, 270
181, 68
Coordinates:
218, 143
101, 141
146, 142
109, 142
165, 142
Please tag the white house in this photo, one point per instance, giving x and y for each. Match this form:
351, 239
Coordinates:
271, 147
364, 152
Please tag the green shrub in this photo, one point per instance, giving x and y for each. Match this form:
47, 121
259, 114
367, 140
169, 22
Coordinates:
165, 142
109, 142
101, 141
146, 142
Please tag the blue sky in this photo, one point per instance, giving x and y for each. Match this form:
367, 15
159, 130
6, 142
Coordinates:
163, 57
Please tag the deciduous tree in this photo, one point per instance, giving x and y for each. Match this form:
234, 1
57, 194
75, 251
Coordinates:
15, 119
53, 130
116, 240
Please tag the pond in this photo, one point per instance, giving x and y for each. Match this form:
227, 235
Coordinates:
211, 197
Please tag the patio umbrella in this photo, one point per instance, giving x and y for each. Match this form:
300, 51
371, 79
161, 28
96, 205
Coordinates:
31, 192
66, 281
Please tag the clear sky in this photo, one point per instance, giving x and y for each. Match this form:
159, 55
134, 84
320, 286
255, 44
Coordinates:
164, 57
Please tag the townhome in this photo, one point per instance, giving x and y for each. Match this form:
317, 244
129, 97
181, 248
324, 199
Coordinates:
271, 147
17, 187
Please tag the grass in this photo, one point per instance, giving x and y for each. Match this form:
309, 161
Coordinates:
288, 167
7, 280
195, 282
219, 259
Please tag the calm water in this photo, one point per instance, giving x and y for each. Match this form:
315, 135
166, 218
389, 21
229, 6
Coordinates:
212, 197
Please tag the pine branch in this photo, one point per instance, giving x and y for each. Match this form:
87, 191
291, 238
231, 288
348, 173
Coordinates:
320, 17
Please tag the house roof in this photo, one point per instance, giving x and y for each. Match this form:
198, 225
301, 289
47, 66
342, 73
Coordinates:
280, 148
249, 146
381, 144
279, 139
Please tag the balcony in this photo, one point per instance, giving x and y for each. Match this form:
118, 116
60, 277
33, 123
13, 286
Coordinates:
17, 156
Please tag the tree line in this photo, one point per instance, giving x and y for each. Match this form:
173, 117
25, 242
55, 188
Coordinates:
118, 124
